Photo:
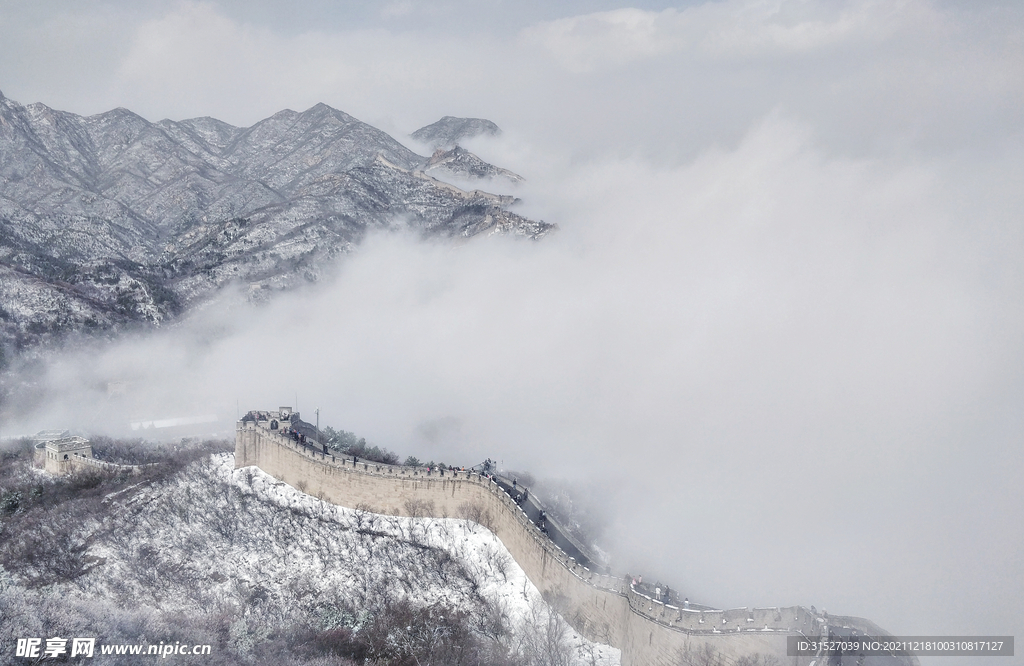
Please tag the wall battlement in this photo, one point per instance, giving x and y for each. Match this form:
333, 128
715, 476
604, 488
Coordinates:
61, 455
68, 454
601, 606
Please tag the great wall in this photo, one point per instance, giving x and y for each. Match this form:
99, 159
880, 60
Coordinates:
59, 452
601, 606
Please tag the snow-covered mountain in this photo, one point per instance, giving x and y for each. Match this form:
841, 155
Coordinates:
111, 220
264, 574
449, 131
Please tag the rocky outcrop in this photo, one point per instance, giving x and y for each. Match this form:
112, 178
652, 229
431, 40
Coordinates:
460, 163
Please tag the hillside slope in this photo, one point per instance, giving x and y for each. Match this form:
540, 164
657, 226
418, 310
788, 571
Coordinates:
266, 574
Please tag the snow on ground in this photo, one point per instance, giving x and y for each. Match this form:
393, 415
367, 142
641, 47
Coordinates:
237, 558
479, 550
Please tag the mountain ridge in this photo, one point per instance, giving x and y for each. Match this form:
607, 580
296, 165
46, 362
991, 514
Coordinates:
112, 221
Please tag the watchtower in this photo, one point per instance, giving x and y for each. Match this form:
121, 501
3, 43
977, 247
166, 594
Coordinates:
61, 455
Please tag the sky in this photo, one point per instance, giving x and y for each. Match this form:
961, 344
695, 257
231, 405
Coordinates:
776, 339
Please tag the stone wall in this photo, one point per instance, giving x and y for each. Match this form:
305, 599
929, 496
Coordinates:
58, 456
69, 460
602, 607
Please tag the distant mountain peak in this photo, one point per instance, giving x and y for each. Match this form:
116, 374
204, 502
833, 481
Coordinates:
283, 113
447, 132
321, 110
119, 113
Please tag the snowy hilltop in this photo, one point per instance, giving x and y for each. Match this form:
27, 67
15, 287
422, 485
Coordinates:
449, 131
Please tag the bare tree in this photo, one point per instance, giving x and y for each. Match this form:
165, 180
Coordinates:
416, 508
701, 654
477, 513
542, 638
499, 561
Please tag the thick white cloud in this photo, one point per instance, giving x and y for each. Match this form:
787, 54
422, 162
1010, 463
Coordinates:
594, 41
733, 29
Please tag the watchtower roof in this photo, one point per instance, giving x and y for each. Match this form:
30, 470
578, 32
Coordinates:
72, 443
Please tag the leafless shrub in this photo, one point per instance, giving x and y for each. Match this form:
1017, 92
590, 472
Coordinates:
225, 523
141, 452
360, 515
469, 511
500, 562
494, 621
476, 513
128, 451
44, 546
366, 521
701, 654
542, 638
416, 508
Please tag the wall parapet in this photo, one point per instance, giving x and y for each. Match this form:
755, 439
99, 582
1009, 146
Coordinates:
377, 470
788, 620
602, 606
113, 467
